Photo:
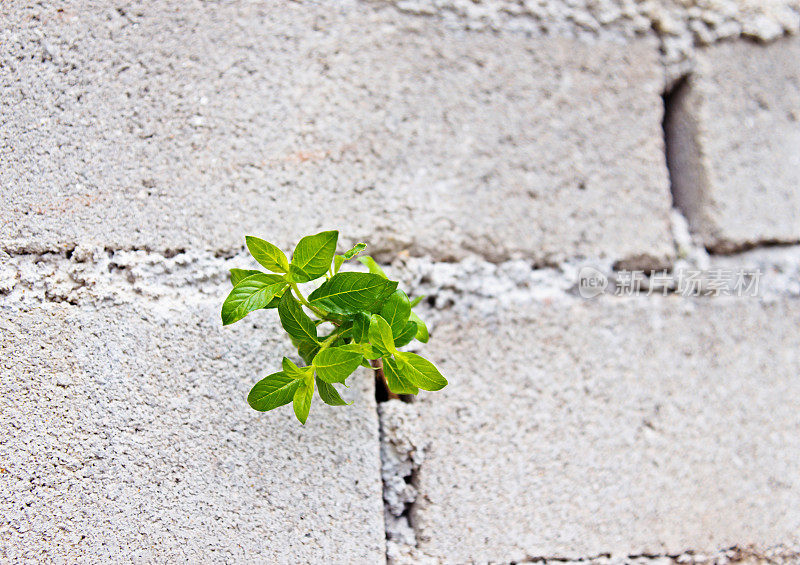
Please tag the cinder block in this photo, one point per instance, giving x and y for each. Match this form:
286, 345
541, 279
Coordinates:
162, 129
734, 144
126, 435
630, 427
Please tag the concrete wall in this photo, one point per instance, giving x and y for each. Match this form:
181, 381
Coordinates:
736, 140
485, 151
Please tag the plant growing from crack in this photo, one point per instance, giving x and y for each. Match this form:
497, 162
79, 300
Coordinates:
368, 318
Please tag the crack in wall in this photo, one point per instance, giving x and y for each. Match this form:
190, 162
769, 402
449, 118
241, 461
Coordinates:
402, 452
95, 275
778, 555
101, 275
688, 171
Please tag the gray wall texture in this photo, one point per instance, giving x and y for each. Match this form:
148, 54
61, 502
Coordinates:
485, 150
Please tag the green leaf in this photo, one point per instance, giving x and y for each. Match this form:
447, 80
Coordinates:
422, 329
238, 275
396, 311
267, 254
274, 302
408, 333
398, 384
296, 322
360, 331
250, 294
298, 275
294, 371
419, 371
380, 334
348, 293
307, 350
302, 399
329, 394
364, 349
338, 260
276, 299
417, 300
272, 391
313, 255
357, 248
337, 263
372, 266
335, 364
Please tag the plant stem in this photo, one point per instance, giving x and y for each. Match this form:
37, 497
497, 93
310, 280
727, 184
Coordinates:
305, 302
331, 338
377, 364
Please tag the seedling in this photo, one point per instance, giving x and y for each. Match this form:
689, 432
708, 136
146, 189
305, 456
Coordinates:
368, 316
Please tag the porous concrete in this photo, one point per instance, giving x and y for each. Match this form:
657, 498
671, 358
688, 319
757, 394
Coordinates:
643, 426
778, 555
139, 143
733, 134
126, 436
682, 25
707, 20
164, 128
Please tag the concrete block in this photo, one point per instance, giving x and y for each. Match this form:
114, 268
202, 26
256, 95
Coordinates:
126, 435
166, 129
649, 426
682, 25
734, 144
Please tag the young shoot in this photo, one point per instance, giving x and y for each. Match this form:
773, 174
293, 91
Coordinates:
371, 319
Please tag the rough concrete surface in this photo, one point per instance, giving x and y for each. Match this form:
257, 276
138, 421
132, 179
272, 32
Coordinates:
489, 149
733, 134
681, 25
778, 555
89, 276
127, 438
705, 20
168, 127
622, 426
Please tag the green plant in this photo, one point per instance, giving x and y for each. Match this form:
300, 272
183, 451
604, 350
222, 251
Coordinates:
368, 316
